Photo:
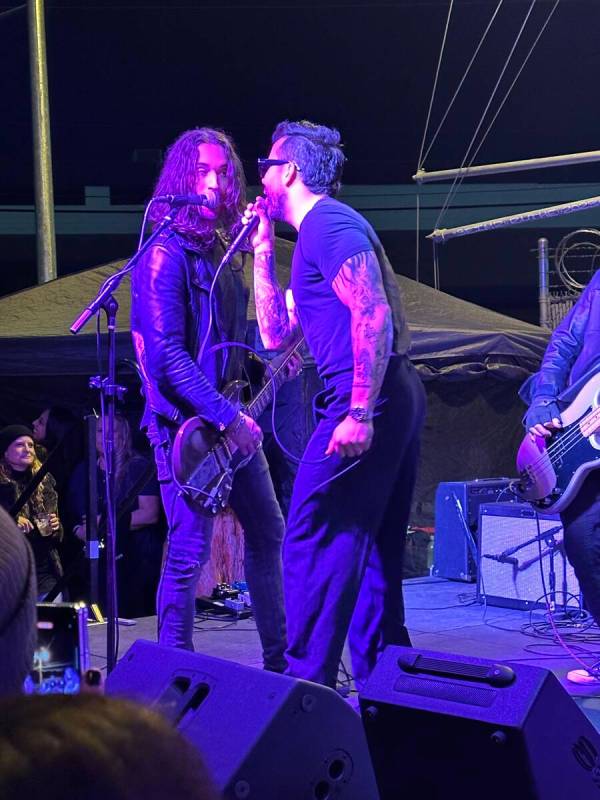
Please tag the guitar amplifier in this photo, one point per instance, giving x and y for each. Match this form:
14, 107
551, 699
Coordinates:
457, 503
515, 557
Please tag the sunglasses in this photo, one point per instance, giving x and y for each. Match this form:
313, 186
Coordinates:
266, 163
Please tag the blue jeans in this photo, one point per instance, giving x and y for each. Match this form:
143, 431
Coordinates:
188, 548
581, 523
344, 545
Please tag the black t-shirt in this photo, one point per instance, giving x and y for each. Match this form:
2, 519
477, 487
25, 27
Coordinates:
330, 234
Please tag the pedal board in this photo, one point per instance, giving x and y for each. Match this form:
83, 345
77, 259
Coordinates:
227, 606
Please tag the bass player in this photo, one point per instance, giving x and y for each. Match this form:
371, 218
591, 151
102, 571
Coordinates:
571, 358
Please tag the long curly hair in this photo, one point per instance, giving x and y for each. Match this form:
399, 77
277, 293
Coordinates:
179, 176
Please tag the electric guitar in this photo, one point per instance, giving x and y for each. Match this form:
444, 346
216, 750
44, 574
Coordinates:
552, 469
205, 460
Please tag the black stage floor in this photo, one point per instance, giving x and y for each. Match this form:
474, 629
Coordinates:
442, 615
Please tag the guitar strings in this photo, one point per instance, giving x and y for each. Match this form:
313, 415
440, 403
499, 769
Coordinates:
558, 449
568, 440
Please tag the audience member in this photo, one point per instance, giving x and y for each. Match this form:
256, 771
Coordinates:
59, 433
139, 532
58, 427
90, 747
38, 518
17, 607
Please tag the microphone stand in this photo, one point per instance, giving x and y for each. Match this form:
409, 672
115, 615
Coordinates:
109, 391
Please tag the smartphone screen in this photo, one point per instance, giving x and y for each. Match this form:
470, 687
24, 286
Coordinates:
61, 654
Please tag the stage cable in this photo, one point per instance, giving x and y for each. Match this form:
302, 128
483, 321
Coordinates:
594, 669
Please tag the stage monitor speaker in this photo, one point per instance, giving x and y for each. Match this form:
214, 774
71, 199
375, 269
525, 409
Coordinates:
511, 573
443, 726
262, 735
456, 504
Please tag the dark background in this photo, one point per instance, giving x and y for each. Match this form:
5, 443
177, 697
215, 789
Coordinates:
127, 78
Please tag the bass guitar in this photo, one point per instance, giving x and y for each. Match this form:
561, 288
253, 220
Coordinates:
552, 469
205, 460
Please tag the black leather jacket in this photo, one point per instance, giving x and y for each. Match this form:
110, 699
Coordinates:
573, 353
169, 318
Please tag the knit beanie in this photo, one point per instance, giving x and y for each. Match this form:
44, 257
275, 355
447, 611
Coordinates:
10, 433
18, 632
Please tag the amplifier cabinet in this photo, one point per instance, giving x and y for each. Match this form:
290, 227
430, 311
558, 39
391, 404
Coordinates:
515, 556
457, 503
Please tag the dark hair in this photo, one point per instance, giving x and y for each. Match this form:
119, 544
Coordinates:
92, 747
179, 175
65, 427
61, 421
316, 150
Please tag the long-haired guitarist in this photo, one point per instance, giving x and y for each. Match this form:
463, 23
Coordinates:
171, 317
571, 359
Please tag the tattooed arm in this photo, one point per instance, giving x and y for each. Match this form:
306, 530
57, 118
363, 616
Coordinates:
271, 311
359, 286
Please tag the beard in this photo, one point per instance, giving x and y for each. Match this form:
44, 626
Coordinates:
275, 202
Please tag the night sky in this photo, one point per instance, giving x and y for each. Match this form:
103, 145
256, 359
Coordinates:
126, 78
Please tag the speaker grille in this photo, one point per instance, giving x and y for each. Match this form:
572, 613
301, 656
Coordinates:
452, 667
444, 690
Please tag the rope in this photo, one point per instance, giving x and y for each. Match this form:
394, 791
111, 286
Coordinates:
460, 84
433, 91
460, 176
516, 78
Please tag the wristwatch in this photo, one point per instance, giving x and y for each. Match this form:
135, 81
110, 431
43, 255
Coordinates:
359, 414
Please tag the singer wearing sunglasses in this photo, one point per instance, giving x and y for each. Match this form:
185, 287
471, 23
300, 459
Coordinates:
179, 314
346, 530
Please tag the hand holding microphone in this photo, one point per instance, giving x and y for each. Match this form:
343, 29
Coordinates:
256, 217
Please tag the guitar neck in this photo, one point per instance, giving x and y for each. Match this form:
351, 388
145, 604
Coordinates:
278, 378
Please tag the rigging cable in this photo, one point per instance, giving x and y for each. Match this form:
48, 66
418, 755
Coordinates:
460, 176
420, 159
516, 78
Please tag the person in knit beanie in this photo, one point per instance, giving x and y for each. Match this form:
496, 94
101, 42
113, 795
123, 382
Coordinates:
17, 606
38, 519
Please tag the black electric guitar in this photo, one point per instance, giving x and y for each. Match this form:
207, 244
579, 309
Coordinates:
204, 460
552, 469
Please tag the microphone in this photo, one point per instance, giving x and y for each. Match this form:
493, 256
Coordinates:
242, 235
177, 200
502, 559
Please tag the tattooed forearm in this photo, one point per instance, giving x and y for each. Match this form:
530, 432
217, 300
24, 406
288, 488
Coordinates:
271, 311
359, 286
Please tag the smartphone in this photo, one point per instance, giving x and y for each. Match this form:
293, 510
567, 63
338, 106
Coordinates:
62, 652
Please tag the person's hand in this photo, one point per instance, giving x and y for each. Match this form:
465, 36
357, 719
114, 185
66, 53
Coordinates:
24, 524
543, 418
292, 369
263, 238
80, 531
54, 522
351, 438
245, 434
